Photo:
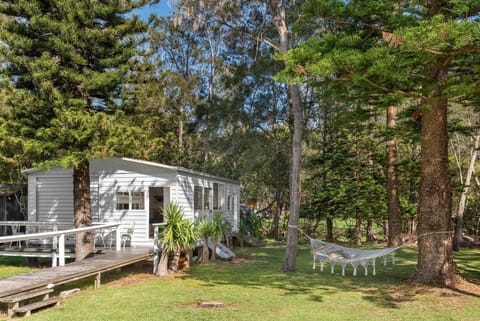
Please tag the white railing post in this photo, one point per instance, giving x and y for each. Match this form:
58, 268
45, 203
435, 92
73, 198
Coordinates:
118, 245
54, 251
155, 249
61, 249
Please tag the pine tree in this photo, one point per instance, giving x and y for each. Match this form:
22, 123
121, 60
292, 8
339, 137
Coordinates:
69, 60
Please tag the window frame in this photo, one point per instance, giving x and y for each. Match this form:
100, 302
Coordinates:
129, 205
133, 204
122, 195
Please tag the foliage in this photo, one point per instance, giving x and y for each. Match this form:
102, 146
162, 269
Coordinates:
66, 65
393, 54
205, 231
178, 233
219, 226
218, 229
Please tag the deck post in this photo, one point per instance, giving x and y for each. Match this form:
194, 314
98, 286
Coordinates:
61, 249
98, 280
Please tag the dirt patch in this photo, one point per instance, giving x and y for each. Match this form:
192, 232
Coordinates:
237, 262
463, 287
132, 279
467, 288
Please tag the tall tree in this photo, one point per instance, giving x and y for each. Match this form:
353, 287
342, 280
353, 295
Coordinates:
70, 58
278, 11
393, 191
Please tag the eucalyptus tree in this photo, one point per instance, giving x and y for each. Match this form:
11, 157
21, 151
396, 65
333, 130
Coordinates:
428, 53
231, 16
167, 88
69, 59
464, 144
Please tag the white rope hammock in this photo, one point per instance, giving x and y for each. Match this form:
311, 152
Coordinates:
333, 253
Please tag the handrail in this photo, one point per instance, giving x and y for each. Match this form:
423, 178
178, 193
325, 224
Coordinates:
29, 223
43, 235
59, 239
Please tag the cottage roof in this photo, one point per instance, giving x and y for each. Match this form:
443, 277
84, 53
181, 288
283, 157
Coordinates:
177, 169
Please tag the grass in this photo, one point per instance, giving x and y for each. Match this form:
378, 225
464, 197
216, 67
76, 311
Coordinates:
12, 266
253, 288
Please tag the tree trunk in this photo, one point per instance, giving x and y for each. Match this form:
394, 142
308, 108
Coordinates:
82, 210
435, 255
358, 232
188, 258
329, 223
175, 261
370, 233
385, 230
289, 263
278, 12
463, 197
275, 228
393, 200
205, 254
410, 225
213, 256
162, 269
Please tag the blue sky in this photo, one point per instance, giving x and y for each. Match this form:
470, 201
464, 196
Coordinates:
160, 9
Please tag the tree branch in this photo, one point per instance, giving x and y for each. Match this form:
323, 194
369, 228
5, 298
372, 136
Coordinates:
389, 90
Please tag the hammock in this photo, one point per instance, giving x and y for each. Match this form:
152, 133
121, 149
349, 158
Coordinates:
333, 253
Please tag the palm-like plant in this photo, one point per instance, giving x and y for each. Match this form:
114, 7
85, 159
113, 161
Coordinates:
177, 235
204, 230
219, 228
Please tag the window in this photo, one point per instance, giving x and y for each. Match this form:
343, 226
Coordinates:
197, 198
122, 201
217, 196
138, 201
206, 198
130, 201
201, 198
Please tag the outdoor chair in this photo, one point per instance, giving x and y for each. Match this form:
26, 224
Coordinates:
101, 235
16, 230
128, 235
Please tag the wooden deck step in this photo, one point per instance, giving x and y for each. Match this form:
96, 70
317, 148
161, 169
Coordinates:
25, 295
27, 309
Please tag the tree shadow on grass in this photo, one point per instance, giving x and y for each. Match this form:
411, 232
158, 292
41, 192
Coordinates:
260, 269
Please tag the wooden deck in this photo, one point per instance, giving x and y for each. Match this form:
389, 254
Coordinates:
101, 262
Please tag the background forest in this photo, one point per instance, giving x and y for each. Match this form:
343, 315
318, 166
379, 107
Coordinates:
212, 88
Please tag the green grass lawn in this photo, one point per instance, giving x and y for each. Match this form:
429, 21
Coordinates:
253, 288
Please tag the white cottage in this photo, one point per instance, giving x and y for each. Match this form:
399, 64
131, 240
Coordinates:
133, 192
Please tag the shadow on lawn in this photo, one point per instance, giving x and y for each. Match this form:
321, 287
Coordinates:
260, 268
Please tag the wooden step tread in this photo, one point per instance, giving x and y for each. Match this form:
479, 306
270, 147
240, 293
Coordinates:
25, 295
37, 305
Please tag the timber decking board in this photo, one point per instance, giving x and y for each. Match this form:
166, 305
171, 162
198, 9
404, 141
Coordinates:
99, 263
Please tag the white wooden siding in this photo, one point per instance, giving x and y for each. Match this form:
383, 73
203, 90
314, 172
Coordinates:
50, 194
54, 199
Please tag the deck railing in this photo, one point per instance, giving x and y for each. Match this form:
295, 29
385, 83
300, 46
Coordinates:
58, 237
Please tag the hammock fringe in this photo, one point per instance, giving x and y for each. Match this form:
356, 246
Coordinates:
330, 252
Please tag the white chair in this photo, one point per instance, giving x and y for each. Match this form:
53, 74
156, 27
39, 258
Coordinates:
16, 230
101, 235
128, 235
